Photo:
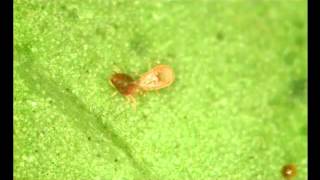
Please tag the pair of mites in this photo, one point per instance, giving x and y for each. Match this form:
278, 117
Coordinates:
161, 76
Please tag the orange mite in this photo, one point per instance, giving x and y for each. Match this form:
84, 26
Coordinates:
159, 77
289, 171
125, 85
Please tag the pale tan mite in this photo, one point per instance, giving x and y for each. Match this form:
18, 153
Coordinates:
158, 77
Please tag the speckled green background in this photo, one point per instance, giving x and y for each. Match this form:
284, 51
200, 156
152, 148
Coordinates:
237, 110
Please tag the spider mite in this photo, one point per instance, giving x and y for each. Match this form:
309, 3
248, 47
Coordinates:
159, 77
289, 171
125, 85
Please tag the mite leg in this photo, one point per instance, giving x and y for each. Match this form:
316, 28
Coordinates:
141, 92
132, 101
135, 74
113, 94
110, 83
116, 68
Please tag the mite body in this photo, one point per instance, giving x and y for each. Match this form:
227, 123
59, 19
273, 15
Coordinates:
289, 171
159, 77
125, 84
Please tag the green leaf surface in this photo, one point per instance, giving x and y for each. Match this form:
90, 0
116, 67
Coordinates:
236, 111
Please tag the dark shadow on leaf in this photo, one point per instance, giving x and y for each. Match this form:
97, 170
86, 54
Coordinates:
298, 87
139, 44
